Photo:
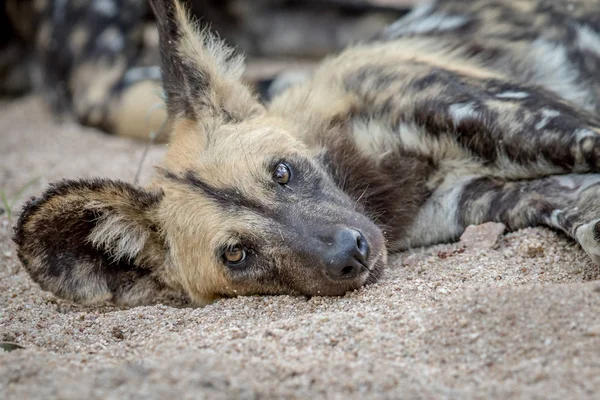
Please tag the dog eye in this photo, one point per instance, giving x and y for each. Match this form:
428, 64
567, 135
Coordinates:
234, 255
282, 173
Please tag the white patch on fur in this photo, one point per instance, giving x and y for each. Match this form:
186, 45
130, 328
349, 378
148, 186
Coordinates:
566, 181
118, 236
420, 11
586, 238
111, 39
588, 39
584, 181
286, 80
374, 139
420, 20
577, 183
554, 219
415, 14
512, 95
553, 70
107, 8
412, 138
431, 23
460, 111
438, 218
547, 115
136, 74
581, 134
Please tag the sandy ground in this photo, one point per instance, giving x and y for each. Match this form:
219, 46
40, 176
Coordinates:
520, 321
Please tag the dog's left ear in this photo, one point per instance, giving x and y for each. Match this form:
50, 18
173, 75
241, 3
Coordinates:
202, 76
94, 240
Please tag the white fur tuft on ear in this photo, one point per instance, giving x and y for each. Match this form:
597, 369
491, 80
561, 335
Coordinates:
208, 52
119, 237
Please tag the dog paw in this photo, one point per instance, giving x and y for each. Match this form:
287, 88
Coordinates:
588, 236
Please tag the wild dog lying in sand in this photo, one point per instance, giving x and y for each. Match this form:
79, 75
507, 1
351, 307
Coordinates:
458, 114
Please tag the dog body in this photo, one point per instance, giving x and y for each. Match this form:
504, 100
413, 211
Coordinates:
455, 115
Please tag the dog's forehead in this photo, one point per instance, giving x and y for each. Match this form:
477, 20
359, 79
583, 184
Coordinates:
260, 137
222, 143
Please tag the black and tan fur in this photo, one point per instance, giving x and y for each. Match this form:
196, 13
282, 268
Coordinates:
456, 115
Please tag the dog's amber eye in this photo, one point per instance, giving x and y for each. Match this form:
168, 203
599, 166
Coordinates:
282, 174
234, 255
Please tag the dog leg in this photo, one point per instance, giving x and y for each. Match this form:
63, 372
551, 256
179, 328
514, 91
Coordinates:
568, 203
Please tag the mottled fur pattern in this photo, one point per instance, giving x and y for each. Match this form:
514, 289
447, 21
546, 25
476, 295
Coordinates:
458, 114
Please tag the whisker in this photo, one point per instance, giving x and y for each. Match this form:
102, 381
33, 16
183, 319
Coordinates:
361, 196
253, 169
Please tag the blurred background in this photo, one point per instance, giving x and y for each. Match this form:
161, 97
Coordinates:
275, 34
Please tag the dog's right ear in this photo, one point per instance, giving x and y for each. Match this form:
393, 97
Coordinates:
94, 240
201, 75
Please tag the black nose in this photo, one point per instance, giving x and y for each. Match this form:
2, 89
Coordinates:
347, 257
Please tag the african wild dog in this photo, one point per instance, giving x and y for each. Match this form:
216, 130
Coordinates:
456, 115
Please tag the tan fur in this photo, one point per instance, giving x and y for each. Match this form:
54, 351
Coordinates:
198, 271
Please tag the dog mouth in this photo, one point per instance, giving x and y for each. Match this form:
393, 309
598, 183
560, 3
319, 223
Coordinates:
370, 273
375, 270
